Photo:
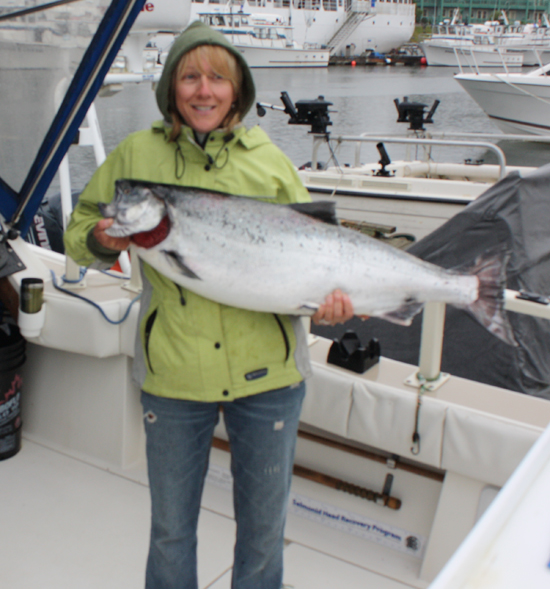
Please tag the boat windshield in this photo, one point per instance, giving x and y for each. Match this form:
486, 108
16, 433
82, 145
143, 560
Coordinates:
53, 56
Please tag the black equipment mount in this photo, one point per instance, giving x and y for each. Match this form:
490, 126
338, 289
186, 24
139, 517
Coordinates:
347, 352
413, 113
314, 113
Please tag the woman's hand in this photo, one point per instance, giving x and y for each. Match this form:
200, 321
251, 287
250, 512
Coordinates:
113, 243
337, 308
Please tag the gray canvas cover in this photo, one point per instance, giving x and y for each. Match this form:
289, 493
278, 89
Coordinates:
514, 214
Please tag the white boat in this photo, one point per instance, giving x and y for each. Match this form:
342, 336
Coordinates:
531, 40
408, 196
468, 46
476, 45
263, 42
479, 52
391, 512
517, 103
346, 28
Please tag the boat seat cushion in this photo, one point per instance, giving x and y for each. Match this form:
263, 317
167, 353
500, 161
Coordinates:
469, 442
373, 414
384, 417
328, 401
484, 447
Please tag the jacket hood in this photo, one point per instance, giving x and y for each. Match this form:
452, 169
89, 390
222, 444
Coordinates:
198, 33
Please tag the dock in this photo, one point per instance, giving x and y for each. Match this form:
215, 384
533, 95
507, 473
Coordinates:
409, 54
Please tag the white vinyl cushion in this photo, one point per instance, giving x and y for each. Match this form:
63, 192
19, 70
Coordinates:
484, 447
384, 417
455, 438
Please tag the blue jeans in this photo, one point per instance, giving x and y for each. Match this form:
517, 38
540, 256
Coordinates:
262, 433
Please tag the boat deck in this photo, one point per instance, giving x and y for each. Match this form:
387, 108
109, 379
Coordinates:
67, 523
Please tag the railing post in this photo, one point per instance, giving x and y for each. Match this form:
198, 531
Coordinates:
431, 341
431, 345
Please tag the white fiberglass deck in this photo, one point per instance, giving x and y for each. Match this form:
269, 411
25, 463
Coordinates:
68, 524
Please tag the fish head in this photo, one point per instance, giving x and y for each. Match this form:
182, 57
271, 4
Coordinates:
135, 209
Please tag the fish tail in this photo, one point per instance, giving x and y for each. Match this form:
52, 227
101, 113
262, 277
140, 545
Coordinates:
488, 309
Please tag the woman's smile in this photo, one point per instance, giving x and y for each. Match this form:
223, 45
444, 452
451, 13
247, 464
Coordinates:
203, 98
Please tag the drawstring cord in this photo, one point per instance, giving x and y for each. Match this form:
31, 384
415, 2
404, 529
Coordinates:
213, 161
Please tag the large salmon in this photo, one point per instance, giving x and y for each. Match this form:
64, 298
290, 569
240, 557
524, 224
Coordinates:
283, 259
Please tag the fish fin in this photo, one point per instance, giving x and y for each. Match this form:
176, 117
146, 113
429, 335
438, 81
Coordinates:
404, 314
175, 258
323, 210
309, 308
488, 309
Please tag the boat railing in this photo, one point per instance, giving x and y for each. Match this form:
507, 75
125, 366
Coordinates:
470, 58
541, 71
359, 140
462, 139
502, 51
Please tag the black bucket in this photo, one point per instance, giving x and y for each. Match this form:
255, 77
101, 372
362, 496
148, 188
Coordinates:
12, 358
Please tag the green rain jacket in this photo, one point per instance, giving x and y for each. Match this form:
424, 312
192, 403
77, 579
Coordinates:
189, 347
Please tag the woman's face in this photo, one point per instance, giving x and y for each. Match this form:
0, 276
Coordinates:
203, 99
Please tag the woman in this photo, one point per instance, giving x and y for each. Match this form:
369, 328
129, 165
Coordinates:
195, 356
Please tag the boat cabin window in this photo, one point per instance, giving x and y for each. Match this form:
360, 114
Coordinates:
309, 4
267, 33
330, 5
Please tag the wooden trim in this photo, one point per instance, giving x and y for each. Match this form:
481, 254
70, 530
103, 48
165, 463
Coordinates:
329, 481
430, 474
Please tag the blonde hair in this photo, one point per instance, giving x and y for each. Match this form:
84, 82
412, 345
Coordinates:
225, 65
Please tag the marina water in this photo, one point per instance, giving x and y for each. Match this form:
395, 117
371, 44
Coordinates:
362, 98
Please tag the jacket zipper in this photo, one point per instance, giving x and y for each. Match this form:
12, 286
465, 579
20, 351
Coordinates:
285, 336
147, 336
149, 327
